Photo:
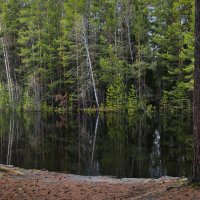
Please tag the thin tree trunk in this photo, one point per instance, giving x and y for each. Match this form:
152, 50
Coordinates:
139, 72
85, 40
77, 69
129, 39
8, 71
140, 146
196, 104
10, 139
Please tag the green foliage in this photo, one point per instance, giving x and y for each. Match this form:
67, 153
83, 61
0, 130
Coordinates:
175, 102
132, 104
4, 97
111, 66
115, 100
149, 44
46, 108
28, 101
115, 127
71, 101
174, 43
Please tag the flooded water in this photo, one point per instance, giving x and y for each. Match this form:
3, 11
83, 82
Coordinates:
105, 144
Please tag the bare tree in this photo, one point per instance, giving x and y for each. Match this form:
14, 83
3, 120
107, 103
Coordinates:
85, 40
196, 104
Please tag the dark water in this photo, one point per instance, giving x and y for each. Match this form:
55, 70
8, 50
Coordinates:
87, 144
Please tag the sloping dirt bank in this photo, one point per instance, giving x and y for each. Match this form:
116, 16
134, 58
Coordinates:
23, 184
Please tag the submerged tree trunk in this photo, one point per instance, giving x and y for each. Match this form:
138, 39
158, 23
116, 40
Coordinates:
196, 104
10, 138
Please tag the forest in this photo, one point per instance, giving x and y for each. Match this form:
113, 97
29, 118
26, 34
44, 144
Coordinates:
107, 55
99, 99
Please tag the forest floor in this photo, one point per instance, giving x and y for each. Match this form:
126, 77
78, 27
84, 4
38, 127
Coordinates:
16, 183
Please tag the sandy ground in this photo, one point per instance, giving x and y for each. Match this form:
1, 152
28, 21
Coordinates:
23, 184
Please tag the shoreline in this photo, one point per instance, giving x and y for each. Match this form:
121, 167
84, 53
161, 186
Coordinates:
12, 170
17, 183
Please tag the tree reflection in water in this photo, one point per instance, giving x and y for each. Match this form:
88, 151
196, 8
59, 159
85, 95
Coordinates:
105, 144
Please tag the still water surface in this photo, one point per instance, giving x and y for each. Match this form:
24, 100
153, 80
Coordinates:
106, 144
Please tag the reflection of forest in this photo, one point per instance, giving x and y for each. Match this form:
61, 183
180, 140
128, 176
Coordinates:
115, 145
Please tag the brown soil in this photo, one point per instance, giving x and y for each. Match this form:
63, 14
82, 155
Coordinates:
22, 184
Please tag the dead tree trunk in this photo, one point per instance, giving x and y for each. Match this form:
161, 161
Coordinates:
85, 40
196, 101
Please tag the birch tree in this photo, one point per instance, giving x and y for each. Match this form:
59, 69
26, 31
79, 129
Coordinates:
7, 65
85, 41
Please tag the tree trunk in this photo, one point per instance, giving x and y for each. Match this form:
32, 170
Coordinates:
77, 70
129, 39
10, 139
85, 39
139, 68
7, 67
196, 104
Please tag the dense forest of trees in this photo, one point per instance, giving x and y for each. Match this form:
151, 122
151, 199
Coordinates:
105, 54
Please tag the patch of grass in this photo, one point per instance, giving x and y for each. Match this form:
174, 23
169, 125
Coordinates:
195, 185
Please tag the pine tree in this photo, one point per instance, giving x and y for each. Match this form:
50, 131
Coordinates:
132, 104
173, 52
115, 100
